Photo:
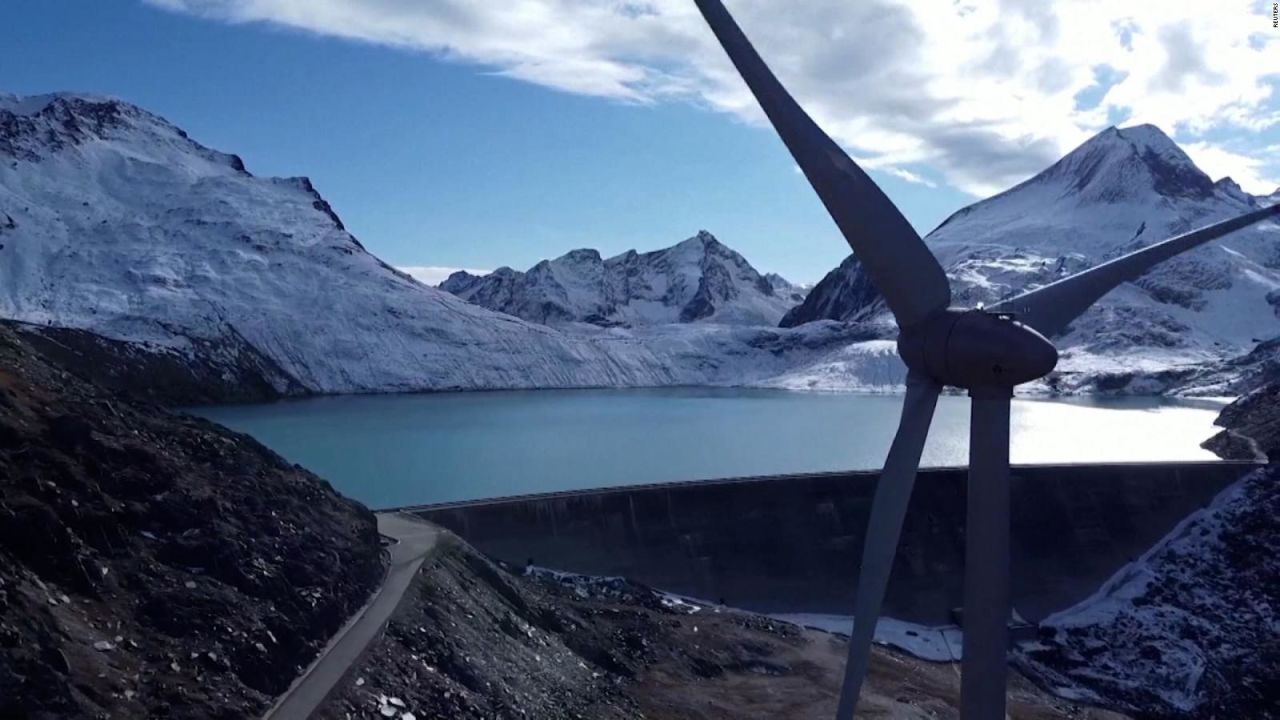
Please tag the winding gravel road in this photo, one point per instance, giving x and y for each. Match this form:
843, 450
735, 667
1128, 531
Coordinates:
415, 541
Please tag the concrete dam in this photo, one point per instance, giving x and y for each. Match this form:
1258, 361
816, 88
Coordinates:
793, 543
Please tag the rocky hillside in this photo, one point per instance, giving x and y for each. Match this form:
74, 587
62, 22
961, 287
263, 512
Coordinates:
158, 565
1117, 192
697, 280
1251, 427
206, 372
846, 294
474, 639
1188, 630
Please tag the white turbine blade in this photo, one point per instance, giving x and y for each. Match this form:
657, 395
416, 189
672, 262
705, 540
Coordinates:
1050, 309
888, 509
983, 667
904, 270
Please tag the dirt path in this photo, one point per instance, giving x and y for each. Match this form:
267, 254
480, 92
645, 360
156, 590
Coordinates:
415, 540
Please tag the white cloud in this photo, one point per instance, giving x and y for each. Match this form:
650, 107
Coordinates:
909, 176
983, 93
435, 274
1249, 171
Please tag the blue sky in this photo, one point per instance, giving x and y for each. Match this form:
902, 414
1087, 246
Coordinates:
448, 136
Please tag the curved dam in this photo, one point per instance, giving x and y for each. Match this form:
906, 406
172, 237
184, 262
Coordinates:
793, 543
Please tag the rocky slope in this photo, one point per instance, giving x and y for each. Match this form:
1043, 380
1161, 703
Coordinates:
1121, 190
157, 565
1252, 427
476, 640
697, 280
1190, 629
206, 372
845, 294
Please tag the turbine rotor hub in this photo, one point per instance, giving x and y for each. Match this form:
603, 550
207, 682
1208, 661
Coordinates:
975, 348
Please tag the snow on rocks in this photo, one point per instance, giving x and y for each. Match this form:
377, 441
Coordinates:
1119, 191
697, 280
117, 223
124, 226
1189, 628
940, 643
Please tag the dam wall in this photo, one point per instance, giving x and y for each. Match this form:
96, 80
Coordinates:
793, 543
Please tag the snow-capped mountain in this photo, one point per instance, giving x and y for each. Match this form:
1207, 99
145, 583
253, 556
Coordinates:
697, 280
114, 221
845, 294
793, 293
1121, 190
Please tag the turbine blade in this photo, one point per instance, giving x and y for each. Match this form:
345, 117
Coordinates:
1050, 309
904, 270
888, 509
983, 667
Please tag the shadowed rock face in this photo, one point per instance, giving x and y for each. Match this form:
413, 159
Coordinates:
845, 294
1252, 425
157, 565
215, 371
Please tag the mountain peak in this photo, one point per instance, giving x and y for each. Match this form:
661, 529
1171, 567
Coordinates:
35, 104
37, 126
702, 240
1124, 164
581, 255
697, 280
1151, 137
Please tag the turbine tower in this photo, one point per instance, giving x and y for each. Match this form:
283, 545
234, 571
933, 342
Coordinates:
986, 351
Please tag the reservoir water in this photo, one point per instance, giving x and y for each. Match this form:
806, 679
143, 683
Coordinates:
393, 450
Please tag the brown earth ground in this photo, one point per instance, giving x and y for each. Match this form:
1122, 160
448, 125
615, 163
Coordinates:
473, 639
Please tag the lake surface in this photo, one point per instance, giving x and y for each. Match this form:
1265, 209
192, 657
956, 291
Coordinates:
391, 450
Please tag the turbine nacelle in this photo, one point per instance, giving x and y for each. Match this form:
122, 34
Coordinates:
976, 348
987, 352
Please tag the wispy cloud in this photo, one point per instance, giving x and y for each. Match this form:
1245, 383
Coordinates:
983, 93
909, 176
1250, 171
435, 274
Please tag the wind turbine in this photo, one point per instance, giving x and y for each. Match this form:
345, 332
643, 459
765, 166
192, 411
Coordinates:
987, 351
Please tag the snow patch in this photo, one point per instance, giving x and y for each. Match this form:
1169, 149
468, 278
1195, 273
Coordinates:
938, 643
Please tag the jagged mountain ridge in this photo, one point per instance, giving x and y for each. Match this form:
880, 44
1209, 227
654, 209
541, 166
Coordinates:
114, 222
697, 280
120, 224
1117, 192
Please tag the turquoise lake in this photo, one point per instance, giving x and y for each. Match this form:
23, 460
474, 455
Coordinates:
393, 450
